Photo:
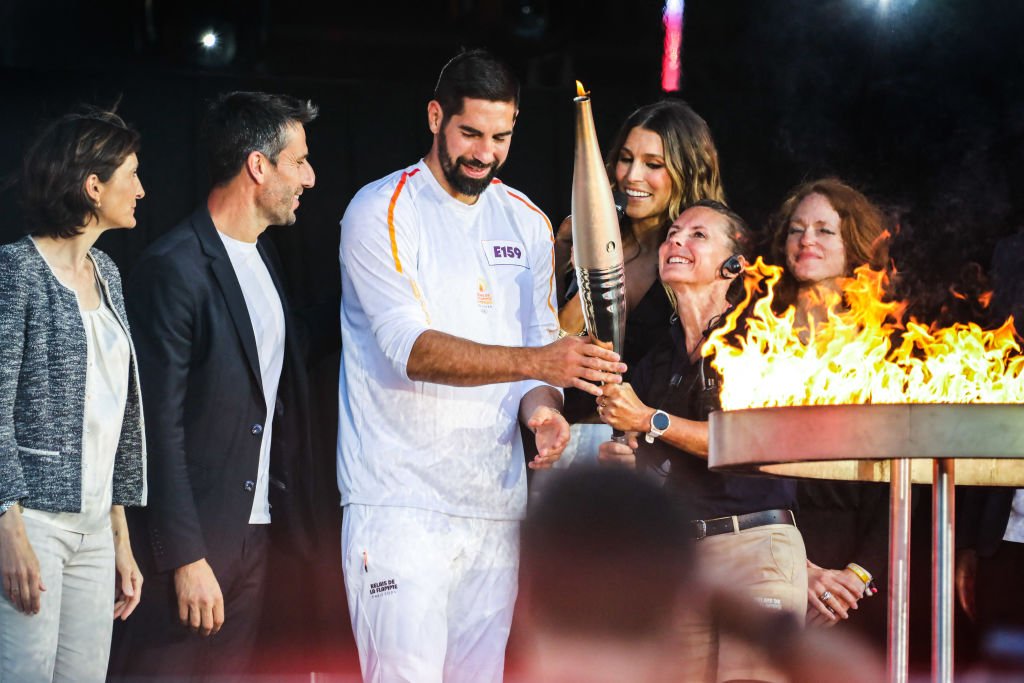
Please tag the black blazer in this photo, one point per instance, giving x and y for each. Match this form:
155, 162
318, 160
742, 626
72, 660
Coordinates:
981, 517
203, 397
982, 513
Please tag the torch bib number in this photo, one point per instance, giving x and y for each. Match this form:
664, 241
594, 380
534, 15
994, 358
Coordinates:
505, 253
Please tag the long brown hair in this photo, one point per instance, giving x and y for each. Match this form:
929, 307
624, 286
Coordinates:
861, 227
691, 158
861, 223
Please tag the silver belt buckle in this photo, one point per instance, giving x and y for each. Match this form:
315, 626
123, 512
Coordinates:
702, 529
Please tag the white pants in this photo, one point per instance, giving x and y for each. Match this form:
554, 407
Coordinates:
69, 639
430, 595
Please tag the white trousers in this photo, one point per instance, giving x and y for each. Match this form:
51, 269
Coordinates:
430, 595
69, 639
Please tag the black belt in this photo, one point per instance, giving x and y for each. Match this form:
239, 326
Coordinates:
726, 525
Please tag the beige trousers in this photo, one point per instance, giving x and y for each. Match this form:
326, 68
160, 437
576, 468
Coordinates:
765, 567
69, 639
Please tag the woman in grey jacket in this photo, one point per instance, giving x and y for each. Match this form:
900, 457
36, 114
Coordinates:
71, 431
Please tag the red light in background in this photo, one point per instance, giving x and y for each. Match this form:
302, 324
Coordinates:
672, 55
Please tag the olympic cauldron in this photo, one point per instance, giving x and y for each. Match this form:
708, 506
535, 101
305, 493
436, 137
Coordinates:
891, 400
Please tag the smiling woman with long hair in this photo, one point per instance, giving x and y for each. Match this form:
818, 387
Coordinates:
662, 160
71, 429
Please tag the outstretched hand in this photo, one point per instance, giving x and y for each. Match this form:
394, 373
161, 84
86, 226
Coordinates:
552, 436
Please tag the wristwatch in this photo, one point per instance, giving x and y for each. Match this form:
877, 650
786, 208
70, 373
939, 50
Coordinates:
659, 425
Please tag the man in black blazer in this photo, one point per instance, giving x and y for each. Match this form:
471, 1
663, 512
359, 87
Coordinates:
224, 394
990, 521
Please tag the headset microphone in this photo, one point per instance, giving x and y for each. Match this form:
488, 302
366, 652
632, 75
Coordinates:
731, 267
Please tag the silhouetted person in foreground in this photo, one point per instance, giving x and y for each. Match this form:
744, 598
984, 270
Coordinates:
607, 575
606, 570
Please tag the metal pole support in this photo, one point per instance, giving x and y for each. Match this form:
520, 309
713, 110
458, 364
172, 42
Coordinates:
943, 518
899, 570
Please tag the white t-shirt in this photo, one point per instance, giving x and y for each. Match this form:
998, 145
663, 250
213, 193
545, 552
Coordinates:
267, 317
414, 258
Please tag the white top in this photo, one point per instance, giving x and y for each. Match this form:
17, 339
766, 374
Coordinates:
267, 317
106, 392
1015, 526
414, 258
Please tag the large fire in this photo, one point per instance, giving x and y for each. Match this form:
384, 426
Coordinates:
864, 352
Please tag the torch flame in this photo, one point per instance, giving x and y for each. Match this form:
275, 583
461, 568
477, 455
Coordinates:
580, 92
863, 352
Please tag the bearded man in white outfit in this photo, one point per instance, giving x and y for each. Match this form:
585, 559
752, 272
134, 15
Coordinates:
450, 338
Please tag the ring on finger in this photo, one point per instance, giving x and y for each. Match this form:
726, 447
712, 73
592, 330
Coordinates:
825, 597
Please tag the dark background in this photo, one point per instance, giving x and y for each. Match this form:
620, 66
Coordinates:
920, 103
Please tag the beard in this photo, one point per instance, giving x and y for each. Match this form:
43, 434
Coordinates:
279, 202
282, 213
471, 187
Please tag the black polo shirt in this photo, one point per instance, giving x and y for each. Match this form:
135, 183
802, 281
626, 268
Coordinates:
667, 380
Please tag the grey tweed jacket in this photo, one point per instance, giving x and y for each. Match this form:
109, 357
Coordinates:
43, 357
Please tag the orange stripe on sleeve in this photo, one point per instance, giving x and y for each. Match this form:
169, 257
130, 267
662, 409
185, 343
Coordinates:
394, 240
551, 235
391, 217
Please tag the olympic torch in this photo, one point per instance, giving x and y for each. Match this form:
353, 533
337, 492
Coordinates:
596, 240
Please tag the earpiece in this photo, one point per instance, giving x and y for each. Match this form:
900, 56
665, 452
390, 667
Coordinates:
731, 267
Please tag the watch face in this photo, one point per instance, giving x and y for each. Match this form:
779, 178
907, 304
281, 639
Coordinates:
659, 421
